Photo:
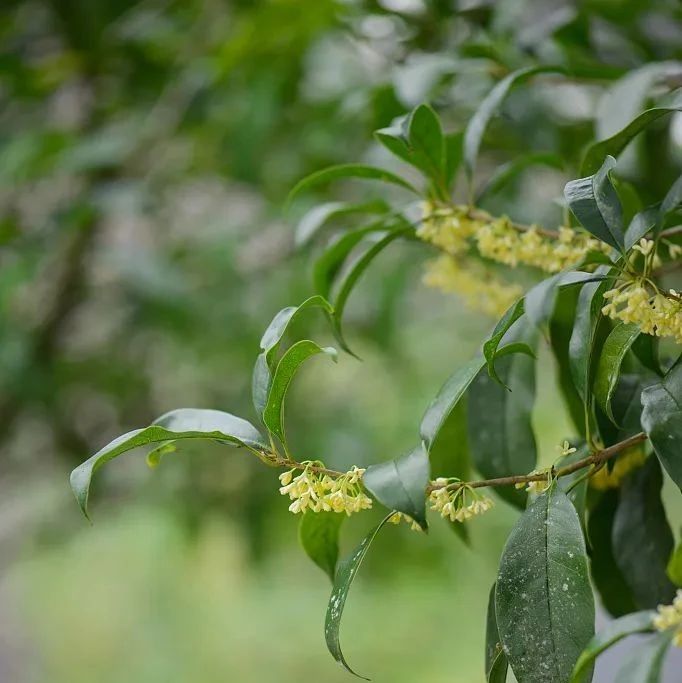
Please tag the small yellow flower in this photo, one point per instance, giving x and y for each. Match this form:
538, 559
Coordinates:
644, 247
538, 485
566, 449
459, 505
670, 617
398, 517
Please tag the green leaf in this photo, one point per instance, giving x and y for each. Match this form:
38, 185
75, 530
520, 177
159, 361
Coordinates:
312, 222
616, 346
492, 344
400, 484
674, 568
638, 622
507, 172
671, 202
326, 175
501, 438
445, 401
495, 660
644, 662
614, 145
640, 225
581, 347
642, 540
662, 420
475, 129
353, 275
318, 533
595, 203
614, 592
273, 414
261, 380
545, 609
186, 423
346, 572
425, 137
157, 454
276, 329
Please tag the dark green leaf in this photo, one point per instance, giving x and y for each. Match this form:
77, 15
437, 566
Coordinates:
186, 423
349, 171
638, 622
495, 659
615, 594
662, 420
644, 662
346, 572
313, 221
545, 609
640, 225
318, 533
595, 203
500, 432
642, 540
616, 345
445, 401
671, 202
491, 345
613, 146
427, 143
645, 348
273, 414
475, 129
400, 484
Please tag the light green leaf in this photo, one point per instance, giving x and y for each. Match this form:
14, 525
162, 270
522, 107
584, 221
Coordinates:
312, 222
544, 604
638, 622
273, 414
662, 420
400, 484
155, 456
491, 345
642, 539
318, 533
475, 129
674, 568
346, 572
427, 143
616, 346
186, 423
445, 401
613, 146
595, 203
261, 380
362, 171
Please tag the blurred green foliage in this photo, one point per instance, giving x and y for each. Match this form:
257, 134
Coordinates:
146, 150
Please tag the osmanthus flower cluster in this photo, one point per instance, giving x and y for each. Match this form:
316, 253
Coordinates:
601, 307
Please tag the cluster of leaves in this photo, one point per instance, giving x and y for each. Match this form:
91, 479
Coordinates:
624, 391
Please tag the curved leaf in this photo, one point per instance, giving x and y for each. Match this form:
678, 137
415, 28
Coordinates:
544, 604
614, 145
349, 171
313, 221
638, 622
595, 203
488, 108
642, 539
185, 423
445, 401
662, 420
318, 533
273, 414
616, 346
261, 380
346, 572
400, 484
427, 143
495, 660
491, 345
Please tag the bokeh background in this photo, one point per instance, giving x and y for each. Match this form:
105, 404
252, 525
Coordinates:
146, 151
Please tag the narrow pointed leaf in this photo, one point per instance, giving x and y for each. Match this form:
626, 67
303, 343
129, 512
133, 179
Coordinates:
361, 171
642, 539
545, 609
273, 414
345, 573
261, 380
475, 129
400, 484
186, 423
616, 346
662, 420
318, 533
427, 144
495, 659
445, 401
596, 205
637, 622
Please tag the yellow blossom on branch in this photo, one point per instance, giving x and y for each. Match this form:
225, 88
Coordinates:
398, 517
670, 617
459, 505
